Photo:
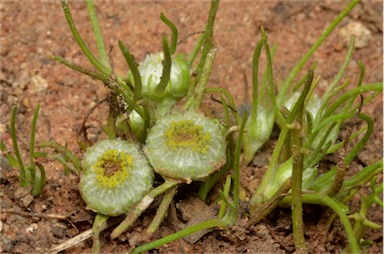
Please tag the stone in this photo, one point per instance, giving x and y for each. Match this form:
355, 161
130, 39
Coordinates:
361, 33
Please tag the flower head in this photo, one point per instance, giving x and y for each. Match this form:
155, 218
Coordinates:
151, 69
116, 176
186, 146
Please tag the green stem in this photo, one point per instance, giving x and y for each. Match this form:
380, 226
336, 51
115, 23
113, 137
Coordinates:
319, 127
322, 199
321, 149
347, 95
81, 69
175, 33
98, 225
191, 59
136, 75
339, 176
352, 154
360, 226
363, 176
208, 43
297, 178
269, 99
223, 203
181, 234
299, 83
226, 118
38, 177
362, 73
23, 174
38, 182
338, 179
236, 167
338, 208
110, 126
162, 210
166, 74
68, 154
352, 185
331, 89
101, 67
196, 100
295, 71
67, 167
32, 138
114, 84
255, 81
31, 168
98, 35
134, 214
229, 97
196, 50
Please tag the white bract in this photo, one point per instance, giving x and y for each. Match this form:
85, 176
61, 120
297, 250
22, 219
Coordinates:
257, 131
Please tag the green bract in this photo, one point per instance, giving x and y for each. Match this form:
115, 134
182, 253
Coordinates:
137, 125
151, 70
116, 176
283, 173
185, 146
258, 131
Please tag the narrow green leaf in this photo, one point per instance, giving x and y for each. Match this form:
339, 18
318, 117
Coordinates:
22, 172
165, 76
97, 31
175, 33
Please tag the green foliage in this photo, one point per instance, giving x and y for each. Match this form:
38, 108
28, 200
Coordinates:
309, 127
261, 120
33, 174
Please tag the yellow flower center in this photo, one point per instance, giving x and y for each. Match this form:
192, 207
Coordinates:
185, 134
112, 168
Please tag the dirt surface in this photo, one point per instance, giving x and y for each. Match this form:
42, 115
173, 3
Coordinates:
31, 31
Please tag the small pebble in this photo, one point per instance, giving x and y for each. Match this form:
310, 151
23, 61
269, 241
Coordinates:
59, 230
23, 197
39, 83
31, 228
357, 29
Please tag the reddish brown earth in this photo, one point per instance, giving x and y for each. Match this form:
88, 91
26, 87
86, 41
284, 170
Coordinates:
31, 31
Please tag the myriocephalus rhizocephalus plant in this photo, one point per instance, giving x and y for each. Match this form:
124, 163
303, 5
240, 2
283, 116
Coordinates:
147, 134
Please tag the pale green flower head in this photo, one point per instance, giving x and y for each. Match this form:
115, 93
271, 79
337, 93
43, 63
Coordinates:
151, 69
185, 147
116, 176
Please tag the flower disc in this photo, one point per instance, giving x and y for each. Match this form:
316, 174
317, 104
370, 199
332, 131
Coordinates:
185, 146
116, 176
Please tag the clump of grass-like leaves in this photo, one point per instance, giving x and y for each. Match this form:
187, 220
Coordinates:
33, 174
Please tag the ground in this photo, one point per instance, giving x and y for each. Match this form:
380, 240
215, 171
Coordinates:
32, 31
